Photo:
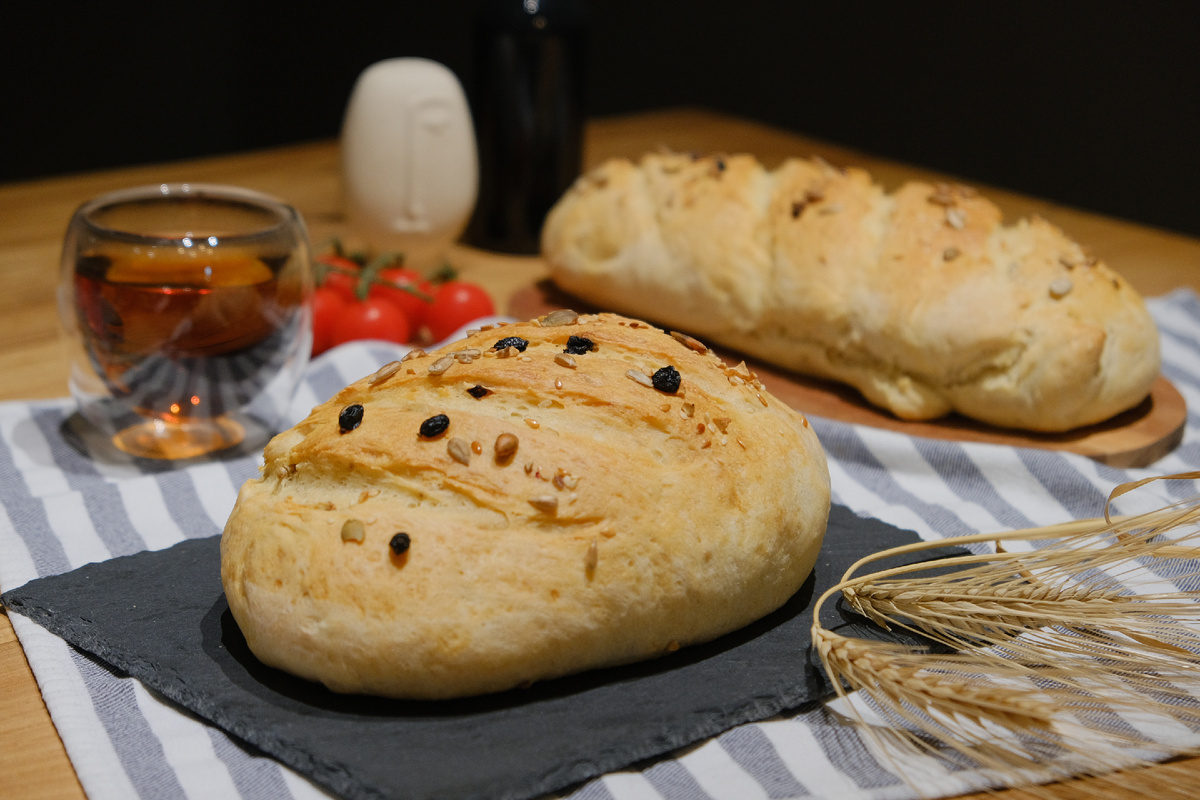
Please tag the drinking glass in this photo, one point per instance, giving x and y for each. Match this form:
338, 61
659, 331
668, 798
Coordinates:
186, 313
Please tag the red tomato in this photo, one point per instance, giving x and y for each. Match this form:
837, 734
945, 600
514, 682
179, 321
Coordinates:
373, 318
414, 308
455, 303
342, 278
328, 306
340, 262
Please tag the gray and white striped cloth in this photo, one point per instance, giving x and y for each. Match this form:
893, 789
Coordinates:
61, 510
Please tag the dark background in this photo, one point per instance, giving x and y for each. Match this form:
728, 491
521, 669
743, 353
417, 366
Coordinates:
1093, 104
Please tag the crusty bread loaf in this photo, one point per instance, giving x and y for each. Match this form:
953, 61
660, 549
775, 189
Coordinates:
483, 517
922, 299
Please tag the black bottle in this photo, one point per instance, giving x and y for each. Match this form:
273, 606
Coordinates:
528, 102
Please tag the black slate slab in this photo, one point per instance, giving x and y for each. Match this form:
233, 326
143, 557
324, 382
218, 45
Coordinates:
161, 617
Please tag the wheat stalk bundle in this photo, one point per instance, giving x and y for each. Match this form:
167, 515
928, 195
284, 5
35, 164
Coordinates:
1076, 654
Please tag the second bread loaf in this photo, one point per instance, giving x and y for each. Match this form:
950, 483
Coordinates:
921, 299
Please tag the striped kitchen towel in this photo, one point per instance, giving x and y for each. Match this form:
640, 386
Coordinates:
60, 510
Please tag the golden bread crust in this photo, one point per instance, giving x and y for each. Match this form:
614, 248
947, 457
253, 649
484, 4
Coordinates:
629, 521
921, 299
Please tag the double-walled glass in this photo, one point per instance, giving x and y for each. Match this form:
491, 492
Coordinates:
185, 307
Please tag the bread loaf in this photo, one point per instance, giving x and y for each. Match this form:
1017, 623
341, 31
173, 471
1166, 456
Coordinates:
535, 500
921, 299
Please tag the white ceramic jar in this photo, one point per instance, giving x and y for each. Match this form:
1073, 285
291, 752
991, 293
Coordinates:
410, 165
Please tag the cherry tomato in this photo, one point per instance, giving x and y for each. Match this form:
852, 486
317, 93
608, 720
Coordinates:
414, 308
339, 262
455, 303
373, 318
328, 306
342, 278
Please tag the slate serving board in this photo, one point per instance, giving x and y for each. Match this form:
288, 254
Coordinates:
162, 618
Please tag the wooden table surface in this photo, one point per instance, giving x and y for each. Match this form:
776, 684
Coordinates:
34, 216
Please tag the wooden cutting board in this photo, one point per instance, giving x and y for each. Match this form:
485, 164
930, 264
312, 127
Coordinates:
1135, 438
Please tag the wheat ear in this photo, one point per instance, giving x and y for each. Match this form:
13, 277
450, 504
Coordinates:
1050, 649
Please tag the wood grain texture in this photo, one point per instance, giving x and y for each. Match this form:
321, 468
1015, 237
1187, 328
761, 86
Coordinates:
34, 216
33, 763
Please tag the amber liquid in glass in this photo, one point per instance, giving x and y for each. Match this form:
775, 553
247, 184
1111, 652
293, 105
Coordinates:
181, 338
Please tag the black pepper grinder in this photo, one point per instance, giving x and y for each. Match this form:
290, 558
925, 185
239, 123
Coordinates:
528, 101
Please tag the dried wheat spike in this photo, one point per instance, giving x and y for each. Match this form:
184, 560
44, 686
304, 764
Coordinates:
900, 674
1049, 645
